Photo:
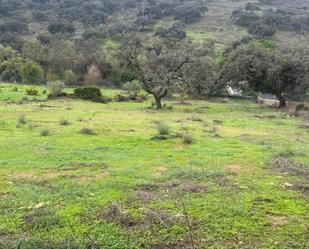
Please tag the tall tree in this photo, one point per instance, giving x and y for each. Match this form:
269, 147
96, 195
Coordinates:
165, 67
276, 71
156, 67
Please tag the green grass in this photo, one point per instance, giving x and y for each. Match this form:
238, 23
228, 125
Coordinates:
121, 189
198, 36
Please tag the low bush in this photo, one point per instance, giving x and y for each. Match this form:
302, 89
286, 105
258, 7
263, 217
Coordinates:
253, 6
64, 122
162, 128
21, 120
132, 88
87, 131
55, 88
45, 132
32, 91
142, 95
88, 93
31, 126
103, 100
187, 138
122, 98
91, 93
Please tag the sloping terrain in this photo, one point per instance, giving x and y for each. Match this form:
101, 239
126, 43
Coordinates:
99, 176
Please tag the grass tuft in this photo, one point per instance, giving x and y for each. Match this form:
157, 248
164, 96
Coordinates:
45, 132
64, 122
163, 128
21, 120
187, 138
87, 131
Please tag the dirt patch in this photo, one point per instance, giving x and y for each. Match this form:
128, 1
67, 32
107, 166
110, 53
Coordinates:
79, 165
146, 219
51, 174
183, 103
289, 166
304, 126
265, 116
234, 167
174, 187
302, 187
114, 214
277, 220
145, 196
159, 170
98, 176
46, 175
179, 147
184, 243
22, 175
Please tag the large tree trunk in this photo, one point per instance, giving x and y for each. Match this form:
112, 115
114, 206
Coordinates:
158, 101
282, 101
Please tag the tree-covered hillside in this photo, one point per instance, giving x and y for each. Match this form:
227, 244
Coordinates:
74, 40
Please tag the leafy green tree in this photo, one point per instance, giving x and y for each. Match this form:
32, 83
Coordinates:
10, 64
164, 68
70, 77
280, 71
31, 72
61, 56
37, 52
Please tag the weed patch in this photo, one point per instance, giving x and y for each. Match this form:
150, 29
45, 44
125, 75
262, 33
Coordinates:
40, 219
87, 131
289, 166
81, 165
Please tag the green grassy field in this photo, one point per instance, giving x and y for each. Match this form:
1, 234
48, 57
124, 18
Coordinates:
242, 183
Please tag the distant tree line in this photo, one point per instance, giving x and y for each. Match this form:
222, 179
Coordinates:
162, 64
264, 22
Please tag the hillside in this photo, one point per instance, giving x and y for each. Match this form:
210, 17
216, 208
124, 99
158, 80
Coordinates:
154, 124
76, 21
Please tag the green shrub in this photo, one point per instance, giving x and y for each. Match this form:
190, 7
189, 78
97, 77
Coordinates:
32, 72
266, 43
89, 93
45, 132
132, 88
21, 120
162, 128
64, 122
69, 77
31, 126
87, 131
15, 89
56, 88
32, 91
142, 94
187, 138
286, 152
122, 98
